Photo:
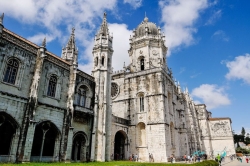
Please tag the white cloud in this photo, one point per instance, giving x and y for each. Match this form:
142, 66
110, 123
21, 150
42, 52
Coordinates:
216, 15
81, 14
120, 44
55, 14
220, 35
134, 3
239, 68
179, 18
212, 95
195, 75
38, 38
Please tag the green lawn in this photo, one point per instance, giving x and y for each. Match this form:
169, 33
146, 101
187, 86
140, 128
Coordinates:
115, 163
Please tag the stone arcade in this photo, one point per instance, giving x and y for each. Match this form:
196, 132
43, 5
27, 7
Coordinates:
52, 111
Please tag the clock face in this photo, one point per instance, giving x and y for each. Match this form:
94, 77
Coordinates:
114, 89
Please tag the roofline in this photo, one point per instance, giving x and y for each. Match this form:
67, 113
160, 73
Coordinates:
222, 118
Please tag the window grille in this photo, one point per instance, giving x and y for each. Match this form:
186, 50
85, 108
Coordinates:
11, 71
52, 86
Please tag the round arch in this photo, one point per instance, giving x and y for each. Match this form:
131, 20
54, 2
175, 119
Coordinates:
119, 145
84, 84
79, 147
8, 127
45, 138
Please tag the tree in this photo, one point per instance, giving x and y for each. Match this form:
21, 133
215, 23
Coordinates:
247, 139
243, 132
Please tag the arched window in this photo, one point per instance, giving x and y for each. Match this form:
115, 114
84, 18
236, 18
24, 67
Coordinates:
11, 71
52, 86
142, 63
103, 61
81, 96
141, 103
96, 61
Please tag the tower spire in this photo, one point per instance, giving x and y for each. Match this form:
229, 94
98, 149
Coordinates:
71, 42
1, 19
104, 27
70, 52
44, 42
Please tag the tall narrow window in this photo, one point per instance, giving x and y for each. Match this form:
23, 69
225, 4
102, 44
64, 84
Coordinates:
96, 61
52, 86
142, 64
11, 71
103, 60
81, 100
78, 97
141, 104
172, 133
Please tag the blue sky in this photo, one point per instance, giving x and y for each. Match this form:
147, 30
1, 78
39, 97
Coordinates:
208, 41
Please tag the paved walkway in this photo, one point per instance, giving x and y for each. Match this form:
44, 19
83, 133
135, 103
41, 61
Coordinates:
235, 163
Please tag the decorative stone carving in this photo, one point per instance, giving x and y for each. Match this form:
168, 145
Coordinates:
221, 128
154, 52
114, 89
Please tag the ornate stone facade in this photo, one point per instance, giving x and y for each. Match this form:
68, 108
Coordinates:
52, 111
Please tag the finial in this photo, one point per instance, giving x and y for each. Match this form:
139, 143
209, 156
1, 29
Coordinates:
44, 42
1, 19
73, 30
104, 27
145, 14
145, 18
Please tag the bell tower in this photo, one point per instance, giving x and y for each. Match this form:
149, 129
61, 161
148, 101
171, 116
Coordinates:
147, 48
102, 54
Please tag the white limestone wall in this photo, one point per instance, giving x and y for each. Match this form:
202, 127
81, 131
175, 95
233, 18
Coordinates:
60, 98
157, 142
42, 114
207, 146
25, 70
54, 115
221, 134
15, 108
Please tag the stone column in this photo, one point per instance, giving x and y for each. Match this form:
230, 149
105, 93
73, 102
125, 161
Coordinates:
56, 149
69, 144
83, 152
14, 145
29, 142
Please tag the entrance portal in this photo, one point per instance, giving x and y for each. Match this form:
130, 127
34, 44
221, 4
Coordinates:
119, 146
79, 149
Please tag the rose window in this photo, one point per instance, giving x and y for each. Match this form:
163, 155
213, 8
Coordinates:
114, 89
